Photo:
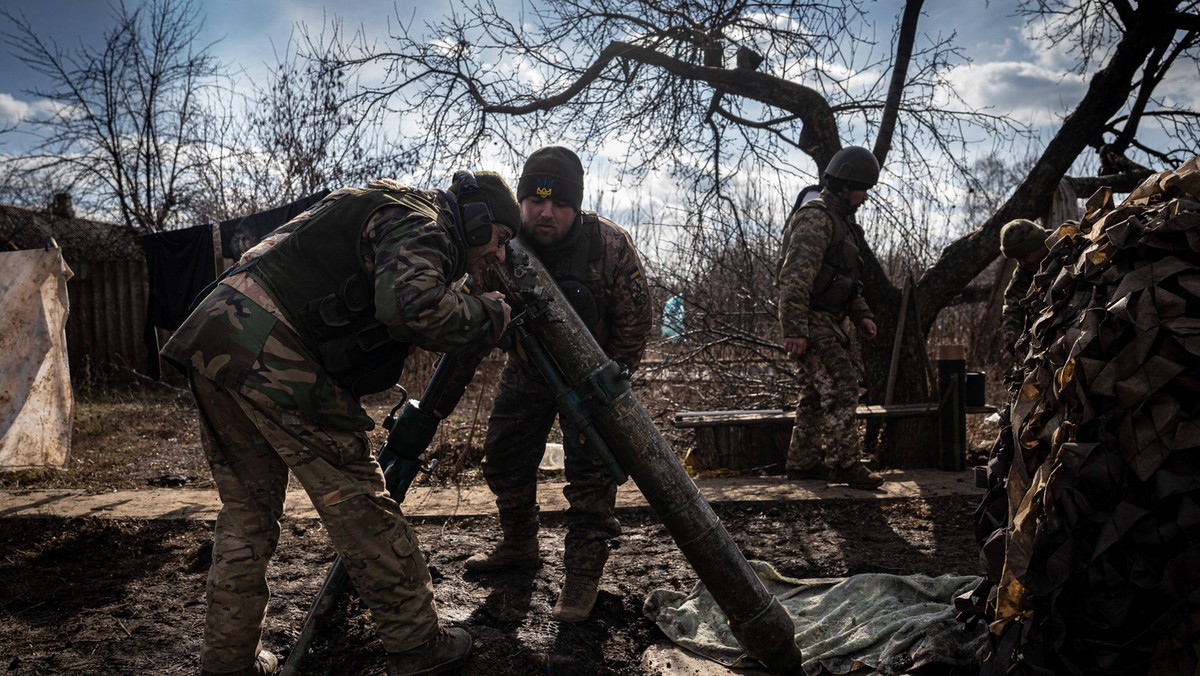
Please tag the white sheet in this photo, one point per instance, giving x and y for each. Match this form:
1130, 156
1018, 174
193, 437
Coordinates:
36, 402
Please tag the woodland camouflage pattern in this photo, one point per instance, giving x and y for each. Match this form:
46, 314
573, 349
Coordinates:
825, 427
268, 406
237, 337
250, 450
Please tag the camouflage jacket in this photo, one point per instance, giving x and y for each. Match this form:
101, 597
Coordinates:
806, 238
612, 272
1012, 322
240, 337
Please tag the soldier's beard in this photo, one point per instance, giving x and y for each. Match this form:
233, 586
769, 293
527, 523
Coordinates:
543, 233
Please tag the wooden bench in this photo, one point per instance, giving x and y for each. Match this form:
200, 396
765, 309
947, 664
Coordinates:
757, 439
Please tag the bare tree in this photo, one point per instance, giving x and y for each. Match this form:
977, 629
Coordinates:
298, 132
658, 79
128, 112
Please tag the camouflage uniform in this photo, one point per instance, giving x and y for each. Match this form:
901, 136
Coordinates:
826, 428
600, 272
268, 403
1012, 323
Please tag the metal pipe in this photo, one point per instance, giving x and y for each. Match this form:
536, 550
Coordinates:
756, 618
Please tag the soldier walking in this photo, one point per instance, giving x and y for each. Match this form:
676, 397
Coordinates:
819, 271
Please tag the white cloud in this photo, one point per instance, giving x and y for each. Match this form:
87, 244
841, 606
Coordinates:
12, 110
1029, 92
15, 111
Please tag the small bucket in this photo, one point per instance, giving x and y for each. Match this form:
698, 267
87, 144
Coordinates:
976, 387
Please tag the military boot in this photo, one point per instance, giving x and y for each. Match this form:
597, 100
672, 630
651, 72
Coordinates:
506, 555
856, 476
448, 649
576, 599
819, 471
264, 665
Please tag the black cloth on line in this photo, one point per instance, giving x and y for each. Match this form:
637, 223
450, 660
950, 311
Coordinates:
180, 264
240, 234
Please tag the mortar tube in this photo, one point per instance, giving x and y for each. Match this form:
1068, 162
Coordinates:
756, 618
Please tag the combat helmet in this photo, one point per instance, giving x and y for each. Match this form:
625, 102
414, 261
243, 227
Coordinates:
1021, 237
854, 167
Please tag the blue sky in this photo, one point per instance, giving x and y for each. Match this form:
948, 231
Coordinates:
1006, 74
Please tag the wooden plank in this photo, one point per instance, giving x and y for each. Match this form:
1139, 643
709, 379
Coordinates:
716, 418
739, 447
898, 339
687, 419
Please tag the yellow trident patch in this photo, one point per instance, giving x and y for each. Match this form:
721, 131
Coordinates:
544, 192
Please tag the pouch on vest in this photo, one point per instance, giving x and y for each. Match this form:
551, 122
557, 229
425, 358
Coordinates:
364, 362
837, 280
318, 279
583, 300
836, 293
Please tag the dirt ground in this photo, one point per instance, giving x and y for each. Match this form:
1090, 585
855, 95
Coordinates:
112, 596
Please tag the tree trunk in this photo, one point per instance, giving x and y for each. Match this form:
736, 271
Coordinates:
913, 443
902, 442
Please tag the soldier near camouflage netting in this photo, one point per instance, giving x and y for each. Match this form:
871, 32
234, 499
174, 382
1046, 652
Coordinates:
595, 264
1092, 520
819, 270
1024, 241
321, 312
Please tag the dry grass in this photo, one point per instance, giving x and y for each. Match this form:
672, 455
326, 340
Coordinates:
143, 434
125, 437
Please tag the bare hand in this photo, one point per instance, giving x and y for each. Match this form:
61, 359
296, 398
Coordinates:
867, 329
796, 347
496, 295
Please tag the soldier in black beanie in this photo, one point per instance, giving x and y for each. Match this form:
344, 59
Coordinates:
552, 180
594, 262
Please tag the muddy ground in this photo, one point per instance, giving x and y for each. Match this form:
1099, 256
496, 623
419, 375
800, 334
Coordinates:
105, 596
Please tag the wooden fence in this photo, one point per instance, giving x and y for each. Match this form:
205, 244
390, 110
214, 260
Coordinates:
106, 324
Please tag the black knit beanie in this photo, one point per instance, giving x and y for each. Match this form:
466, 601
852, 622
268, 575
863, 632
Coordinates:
496, 194
553, 173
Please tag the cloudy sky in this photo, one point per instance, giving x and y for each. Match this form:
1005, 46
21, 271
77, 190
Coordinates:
1006, 75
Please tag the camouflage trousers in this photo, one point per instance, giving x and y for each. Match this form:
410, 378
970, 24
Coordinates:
250, 449
826, 429
522, 415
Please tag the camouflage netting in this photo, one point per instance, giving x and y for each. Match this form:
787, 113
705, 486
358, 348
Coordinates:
1092, 524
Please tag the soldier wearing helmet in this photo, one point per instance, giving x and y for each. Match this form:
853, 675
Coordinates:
819, 288
1025, 242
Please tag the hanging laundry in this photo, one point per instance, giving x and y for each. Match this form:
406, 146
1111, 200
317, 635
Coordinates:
180, 265
239, 234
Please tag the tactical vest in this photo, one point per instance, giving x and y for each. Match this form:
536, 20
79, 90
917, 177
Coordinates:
319, 280
837, 280
576, 276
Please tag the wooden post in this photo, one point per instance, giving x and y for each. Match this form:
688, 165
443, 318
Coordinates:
952, 411
895, 362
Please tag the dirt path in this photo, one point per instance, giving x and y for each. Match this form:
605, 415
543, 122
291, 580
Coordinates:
475, 500
123, 594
